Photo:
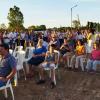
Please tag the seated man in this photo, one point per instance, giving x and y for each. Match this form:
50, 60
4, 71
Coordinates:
7, 65
94, 59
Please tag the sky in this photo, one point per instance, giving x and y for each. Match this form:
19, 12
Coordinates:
52, 13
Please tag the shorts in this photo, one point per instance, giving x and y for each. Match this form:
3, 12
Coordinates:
36, 61
48, 65
2, 83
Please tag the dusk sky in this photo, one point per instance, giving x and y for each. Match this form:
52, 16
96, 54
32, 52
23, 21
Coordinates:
52, 13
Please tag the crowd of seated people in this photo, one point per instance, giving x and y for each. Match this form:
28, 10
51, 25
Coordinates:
73, 46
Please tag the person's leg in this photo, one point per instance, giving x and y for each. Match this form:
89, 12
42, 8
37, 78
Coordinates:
89, 65
71, 62
52, 66
64, 60
95, 63
41, 73
26, 67
53, 77
77, 61
68, 59
81, 63
30, 63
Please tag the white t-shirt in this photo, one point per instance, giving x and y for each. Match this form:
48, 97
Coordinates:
80, 36
11, 35
22, 36
61, 35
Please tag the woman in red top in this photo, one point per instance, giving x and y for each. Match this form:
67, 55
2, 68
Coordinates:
94, 59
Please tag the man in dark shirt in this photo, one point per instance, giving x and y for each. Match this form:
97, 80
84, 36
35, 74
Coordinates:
7, 65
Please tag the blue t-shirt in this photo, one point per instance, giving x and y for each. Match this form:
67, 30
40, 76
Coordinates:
6, 65
39, 50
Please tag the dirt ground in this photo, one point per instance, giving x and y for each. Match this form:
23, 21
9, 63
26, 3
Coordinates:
71, 86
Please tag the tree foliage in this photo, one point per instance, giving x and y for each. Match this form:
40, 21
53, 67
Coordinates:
76, 24
37, 28
15, 18
93, 25
3, 26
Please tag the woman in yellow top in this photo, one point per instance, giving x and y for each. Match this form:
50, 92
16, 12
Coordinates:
79, 53
80, 49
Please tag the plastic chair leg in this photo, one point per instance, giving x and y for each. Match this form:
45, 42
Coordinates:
12, 92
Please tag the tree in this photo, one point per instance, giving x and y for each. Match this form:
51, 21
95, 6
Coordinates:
32, 27
76, 24
15, 18
37, 28
43, 27
3, 26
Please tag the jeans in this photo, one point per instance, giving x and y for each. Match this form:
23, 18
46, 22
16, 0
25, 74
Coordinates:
92, 64
78, 61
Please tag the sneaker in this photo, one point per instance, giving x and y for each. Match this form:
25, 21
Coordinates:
52, 85
41, 82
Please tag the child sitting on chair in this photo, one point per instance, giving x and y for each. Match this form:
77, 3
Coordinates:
49, 63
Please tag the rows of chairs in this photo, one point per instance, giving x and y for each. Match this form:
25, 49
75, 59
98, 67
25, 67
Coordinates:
22, 57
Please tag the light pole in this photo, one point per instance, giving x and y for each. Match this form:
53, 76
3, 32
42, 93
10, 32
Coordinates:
72, 14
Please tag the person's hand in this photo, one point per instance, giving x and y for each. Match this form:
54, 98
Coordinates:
34, 56
3, 79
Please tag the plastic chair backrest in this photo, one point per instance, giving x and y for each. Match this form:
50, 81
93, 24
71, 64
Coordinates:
29, 52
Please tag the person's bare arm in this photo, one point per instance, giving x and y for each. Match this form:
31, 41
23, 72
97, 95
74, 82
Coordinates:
10, 76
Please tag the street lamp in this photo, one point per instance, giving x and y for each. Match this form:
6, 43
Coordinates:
72, 14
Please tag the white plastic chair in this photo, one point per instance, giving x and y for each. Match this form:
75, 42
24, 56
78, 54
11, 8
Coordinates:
17, 48
8, 85
10, 51
84, 60
19, 58
28, 53
56, 66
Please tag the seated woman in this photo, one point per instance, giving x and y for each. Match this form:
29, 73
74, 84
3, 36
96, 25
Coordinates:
50, 61
94, 59
79, 54
65, 47
38, 56
64, 50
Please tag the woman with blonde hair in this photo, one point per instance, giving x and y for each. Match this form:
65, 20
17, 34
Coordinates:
38, 56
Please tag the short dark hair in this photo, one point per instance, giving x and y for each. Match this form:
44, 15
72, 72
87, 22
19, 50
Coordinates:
4, 45
53, 45
65, 38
